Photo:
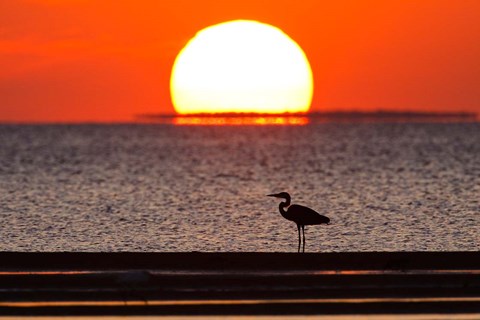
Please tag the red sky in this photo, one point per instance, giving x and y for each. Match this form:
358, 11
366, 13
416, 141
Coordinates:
82, 60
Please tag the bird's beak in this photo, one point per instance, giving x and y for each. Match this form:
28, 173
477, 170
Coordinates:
272, 195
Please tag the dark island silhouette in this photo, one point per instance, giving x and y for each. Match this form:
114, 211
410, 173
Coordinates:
301, 215
330, 116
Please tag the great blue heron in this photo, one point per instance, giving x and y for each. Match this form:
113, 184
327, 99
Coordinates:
301, 215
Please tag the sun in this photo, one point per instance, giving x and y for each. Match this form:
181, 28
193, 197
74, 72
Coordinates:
241, 66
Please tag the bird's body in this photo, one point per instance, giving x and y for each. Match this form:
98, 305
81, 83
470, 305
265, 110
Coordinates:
305, 216
301, 215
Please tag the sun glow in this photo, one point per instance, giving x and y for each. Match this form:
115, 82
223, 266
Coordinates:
241, 66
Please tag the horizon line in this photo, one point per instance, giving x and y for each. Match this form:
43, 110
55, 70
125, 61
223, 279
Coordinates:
321, 116
318, 114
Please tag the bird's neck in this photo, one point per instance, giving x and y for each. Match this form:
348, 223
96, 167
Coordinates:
282, 207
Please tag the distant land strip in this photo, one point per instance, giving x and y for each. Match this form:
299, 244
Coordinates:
324, 115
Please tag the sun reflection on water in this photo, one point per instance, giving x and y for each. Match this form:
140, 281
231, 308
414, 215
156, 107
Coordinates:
240, 121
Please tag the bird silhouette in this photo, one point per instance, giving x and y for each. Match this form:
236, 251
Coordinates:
301, 215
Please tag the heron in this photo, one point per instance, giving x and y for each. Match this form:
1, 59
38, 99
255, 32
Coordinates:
301, 215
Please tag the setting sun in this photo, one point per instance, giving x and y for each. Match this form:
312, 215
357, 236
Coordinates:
241, 66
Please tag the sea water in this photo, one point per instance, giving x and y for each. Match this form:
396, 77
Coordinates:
159, 187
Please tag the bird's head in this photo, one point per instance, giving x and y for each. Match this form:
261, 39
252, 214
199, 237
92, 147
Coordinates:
283, 195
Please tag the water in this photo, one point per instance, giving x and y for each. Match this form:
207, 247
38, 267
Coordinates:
386, 187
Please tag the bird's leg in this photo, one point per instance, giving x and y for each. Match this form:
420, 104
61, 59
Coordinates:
299, 239
303, 230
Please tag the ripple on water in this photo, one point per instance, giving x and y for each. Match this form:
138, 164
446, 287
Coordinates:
386, 187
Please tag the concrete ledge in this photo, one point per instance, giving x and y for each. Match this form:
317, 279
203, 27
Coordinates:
239, 283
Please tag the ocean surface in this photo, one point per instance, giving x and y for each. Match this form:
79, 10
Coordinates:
158, 187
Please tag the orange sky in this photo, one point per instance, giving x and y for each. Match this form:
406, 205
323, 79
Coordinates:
82, 60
